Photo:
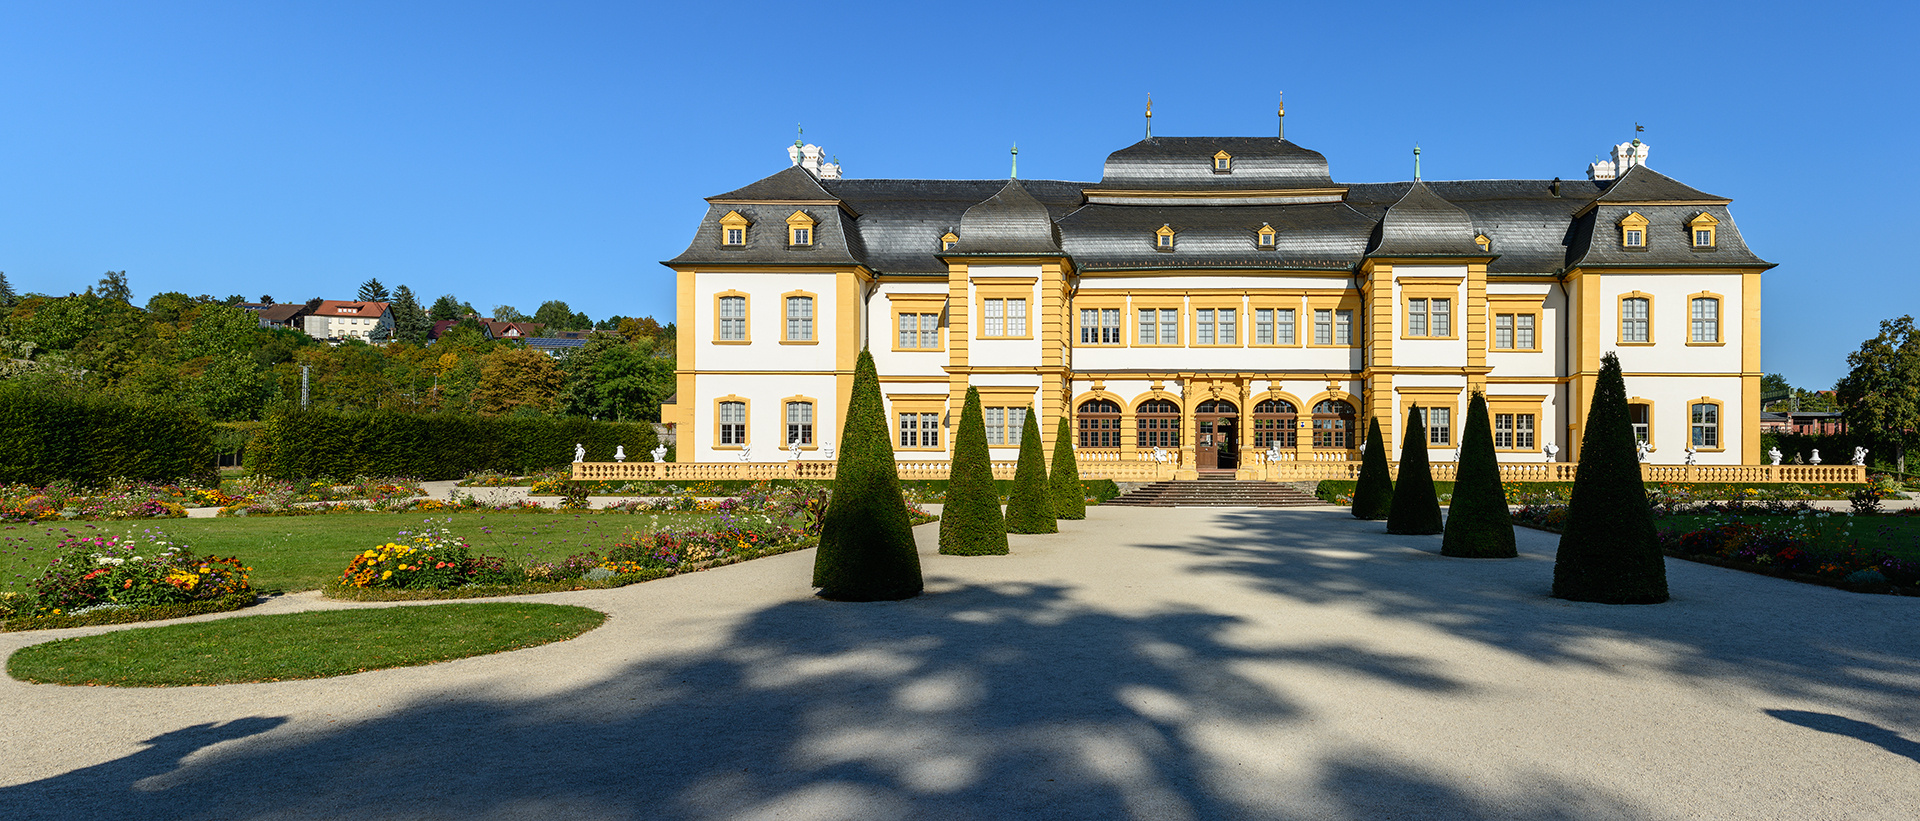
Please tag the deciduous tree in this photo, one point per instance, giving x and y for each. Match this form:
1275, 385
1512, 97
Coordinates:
1881, 391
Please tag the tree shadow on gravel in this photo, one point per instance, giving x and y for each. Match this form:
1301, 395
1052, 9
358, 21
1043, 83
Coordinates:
1722, 625
989, 701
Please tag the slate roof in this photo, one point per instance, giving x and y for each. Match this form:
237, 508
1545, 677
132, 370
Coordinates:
283, 312
1009, 222
1186, 164
1323, 236
1423, 224
1536, 227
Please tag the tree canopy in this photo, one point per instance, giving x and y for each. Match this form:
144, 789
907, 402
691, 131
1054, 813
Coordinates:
1881, 391
373, 291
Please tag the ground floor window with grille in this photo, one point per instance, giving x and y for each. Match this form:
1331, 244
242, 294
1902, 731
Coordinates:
1706, 425
1158, 423
800, 423
1004, 426
919, 430
1099, 423
733, 423
1332, 424
1513, 431
1273, 423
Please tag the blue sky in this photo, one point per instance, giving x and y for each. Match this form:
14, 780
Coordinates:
513, 153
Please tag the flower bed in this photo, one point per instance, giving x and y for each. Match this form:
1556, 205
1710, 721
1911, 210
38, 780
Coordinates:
135, 577
119, 501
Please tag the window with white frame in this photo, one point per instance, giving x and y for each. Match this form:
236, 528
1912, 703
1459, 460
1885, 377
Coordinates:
1099, 326
1273, 326
733, 318
800, 318
1439, 425
1159, 326
1003, 318
1004, 425
1216, 326
1513, 332
1640, 416
1429, 317
1323, 326
1342, 327
1706, 425
1634, 319
1513, 431
800, 423
919, 430
733, 423
1706, 319
919, 330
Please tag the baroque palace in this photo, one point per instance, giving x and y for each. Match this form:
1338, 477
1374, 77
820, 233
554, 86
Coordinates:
1217, 303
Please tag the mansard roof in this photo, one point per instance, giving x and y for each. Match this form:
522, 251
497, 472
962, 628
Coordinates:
1643, 184
1319, 236
1011, 222
1186, 164
1422, 224
790, 185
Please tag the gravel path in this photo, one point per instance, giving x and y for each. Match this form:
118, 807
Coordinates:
1145, 663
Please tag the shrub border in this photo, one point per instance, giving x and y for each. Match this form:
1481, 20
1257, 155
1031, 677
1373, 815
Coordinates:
1759, 570
229, 602
333, 590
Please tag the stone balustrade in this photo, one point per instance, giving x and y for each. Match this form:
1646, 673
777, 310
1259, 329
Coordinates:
1108, 464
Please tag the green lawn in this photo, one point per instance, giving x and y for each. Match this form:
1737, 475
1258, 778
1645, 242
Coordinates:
304, 552
1897, 535
298, 645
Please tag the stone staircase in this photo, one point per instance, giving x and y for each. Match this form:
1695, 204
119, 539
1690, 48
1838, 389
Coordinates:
1211, 492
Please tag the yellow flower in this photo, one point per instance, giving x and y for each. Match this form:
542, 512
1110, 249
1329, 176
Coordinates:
386, 574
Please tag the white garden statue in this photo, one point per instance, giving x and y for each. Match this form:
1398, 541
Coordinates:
826, 448
1774, 454
1643, 449
660, 453
579, 452
1552, 450
1860, 456
746, 453
1273, 451
620, 453
1160, 455
1816, 457
793, 448
1690, 453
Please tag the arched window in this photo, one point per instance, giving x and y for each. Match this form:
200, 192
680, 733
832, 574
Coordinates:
1332, 424
1158, 422
1099, 422
1274, 421
1216, 406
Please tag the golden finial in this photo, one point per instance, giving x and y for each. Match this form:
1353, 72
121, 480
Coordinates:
1149, 115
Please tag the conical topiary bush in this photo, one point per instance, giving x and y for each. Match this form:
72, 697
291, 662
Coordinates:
1416, 507
1030, 505
1069, 497
1373, 493
1478, 524
970, 522
1609, 551
866, 543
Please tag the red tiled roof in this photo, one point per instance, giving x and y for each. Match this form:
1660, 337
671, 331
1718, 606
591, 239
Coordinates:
340, 307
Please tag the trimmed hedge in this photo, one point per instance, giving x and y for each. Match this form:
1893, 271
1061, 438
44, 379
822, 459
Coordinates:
132, 615
1030, 508
1415, 510
300, 444
92, 439
1373, 492
1609, 549
971, 523
1478, 523
866, 540
1069, 494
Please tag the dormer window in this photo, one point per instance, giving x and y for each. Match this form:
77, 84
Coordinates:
1633, 231
1163, 238
1222, 163
1266, 235
799, 229
1705, 230
948, 241
733, 229
1485, 242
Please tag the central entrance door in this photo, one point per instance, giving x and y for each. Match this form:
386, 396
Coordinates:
1217, 430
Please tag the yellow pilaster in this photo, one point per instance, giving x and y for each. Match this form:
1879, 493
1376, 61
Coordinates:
1750, 368
1476, 326
959, 330
684, 355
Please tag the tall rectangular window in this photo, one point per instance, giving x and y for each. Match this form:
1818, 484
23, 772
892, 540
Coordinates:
1640, 417
1343, 327
1503, 331
1633, 319
1016, 317
1148, 326
1263, 326
1523, 331
1706, 425
1089, 326
1169, 326
1203, 326
1228, 331
800, 319
800, 423
1322, 326
1443, 317
1283, 326
733, 423
1706, 319
1702, 238
1416, 317
733, 318
919, 430
1439, 427
803, 236
1632, 238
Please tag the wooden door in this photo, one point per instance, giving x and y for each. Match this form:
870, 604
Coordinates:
1216, 428
1205, 451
